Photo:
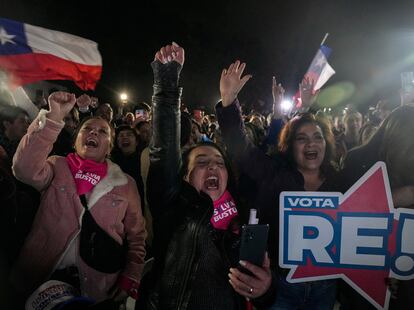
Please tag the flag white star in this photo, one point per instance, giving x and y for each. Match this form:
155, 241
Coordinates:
320, 61
5, 37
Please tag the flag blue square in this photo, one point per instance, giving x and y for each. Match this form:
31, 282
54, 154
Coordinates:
13, 39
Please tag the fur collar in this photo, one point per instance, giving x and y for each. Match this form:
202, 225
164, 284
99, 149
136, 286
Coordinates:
114, 177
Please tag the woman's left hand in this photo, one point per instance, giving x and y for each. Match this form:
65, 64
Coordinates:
251, 286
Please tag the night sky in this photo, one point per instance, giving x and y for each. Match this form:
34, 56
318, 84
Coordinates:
372, 41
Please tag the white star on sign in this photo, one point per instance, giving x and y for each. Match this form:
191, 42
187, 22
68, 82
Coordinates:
5, 37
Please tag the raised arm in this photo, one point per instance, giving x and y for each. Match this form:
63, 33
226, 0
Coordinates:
165, 155
30, 162
252, 161
278, 119
278, 94
307, 93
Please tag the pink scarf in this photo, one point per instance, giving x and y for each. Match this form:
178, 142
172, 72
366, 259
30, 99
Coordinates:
224, 211
87, 173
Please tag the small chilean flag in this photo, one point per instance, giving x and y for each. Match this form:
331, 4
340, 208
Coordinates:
319, 72
30, 53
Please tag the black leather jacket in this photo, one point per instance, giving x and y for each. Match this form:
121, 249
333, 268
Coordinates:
192, 260
184, 240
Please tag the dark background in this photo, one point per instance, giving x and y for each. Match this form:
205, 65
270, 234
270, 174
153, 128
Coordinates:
372, 41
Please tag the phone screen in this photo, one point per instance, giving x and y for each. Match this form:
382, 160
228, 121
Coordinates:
139, 113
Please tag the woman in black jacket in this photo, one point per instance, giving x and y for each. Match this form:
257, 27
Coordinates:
306, 147
195, 244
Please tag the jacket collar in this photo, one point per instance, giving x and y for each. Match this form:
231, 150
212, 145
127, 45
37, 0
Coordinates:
114, 177
192, 195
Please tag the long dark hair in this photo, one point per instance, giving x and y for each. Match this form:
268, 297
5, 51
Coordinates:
231, 182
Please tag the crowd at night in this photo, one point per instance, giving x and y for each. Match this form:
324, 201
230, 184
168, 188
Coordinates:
141, 150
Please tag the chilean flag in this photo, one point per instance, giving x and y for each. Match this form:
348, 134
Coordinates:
30, 53
319, 72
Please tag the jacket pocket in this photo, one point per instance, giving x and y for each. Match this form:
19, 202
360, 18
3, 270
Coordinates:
110, 211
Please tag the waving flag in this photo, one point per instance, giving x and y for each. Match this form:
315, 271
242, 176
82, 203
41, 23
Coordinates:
320, 71
30, 53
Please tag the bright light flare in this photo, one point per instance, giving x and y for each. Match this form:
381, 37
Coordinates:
286, 105
123, 97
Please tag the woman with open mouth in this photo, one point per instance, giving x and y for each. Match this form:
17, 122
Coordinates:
306, 147
126, 154
195, 215
83, 185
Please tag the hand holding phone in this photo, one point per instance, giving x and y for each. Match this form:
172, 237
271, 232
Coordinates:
254, 284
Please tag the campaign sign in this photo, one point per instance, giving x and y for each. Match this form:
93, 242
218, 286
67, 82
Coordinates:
358, 237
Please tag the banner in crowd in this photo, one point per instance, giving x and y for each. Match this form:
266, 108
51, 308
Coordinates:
358, 237
30, 53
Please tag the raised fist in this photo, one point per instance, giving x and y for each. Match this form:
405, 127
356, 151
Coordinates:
169, 53
83, 102
60, 103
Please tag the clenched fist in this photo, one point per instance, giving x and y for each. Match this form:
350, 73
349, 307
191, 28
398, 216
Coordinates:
60, 103
169, 53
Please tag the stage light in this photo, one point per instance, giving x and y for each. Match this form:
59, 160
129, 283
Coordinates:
124, 97
286, 105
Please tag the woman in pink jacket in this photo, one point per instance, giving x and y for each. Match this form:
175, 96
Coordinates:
52, 247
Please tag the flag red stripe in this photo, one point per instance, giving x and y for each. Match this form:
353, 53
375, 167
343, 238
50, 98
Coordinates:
29, 68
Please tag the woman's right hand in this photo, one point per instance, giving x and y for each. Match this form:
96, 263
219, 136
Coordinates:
251, 286
60, 103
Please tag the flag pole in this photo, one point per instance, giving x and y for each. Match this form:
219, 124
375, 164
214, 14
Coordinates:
324, 38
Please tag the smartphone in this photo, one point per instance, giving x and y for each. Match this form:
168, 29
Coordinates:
253, 244
139, 113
